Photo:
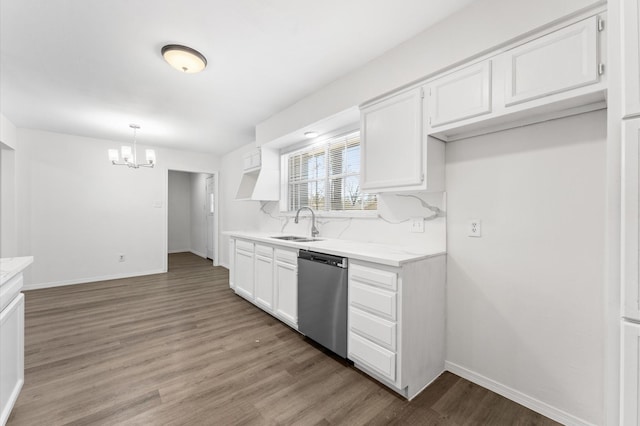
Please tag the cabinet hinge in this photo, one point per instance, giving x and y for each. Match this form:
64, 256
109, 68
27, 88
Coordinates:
600, 69
422, 177
421, 93
429, 120
600, 24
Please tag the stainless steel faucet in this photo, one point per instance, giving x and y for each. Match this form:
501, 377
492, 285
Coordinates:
314, 230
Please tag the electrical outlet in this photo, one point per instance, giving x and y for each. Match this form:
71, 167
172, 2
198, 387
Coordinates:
475, 228
121, 257
417, 224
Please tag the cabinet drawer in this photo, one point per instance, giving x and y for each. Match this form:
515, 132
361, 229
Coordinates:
375, 300
377, 358
265, 251
373, 328
372, 276
244, 245
287, 256
10, 290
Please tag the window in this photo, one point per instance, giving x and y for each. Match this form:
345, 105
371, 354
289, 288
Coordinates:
326, 177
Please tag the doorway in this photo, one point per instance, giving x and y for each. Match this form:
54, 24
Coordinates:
192, 222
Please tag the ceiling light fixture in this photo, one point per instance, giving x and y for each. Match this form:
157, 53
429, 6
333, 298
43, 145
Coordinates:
310, 135
184, 58
129, 157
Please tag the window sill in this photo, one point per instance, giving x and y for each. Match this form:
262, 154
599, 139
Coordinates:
365, 214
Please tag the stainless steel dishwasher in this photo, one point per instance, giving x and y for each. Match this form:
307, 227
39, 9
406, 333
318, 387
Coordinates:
322, 299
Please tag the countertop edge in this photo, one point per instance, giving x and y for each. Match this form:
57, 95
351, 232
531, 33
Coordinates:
15, 266
324, 246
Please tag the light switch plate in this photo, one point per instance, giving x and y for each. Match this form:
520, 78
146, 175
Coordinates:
475, 228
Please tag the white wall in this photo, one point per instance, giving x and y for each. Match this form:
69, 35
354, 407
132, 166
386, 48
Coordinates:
8, 133
179, 206
525, 300
76, 211
198, 182
476, 29
8, 232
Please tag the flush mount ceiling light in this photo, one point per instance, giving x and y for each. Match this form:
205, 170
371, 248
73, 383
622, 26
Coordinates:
129, 156
310, 135
184, 58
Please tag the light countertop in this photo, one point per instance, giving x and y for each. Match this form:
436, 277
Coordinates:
11, 266
384, 254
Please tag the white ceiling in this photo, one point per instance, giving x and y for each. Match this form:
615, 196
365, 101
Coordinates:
91, 67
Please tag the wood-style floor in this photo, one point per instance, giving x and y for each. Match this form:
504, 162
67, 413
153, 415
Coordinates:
182, 349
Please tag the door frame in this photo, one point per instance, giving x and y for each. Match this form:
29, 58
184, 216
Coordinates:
216, 215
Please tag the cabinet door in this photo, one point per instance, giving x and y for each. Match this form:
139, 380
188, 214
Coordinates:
232, 261
11, 355
631, 213
391, 132
460, 95
264, 282
560, 61
286, 278
631, 56
244, 273
630, 397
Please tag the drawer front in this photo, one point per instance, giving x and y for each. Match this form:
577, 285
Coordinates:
373, 328
375, 300
375, 357
10, 290
287, 256
265, 251
372, 276
244, 245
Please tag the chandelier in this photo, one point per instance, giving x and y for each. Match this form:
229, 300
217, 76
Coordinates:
129, 156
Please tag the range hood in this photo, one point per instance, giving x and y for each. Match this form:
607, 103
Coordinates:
261, 176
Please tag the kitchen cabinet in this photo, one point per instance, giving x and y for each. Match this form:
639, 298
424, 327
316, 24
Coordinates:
286, 281
11, 332
244, 269
11, 355
461, 95
394, 153
264, 277
631, 57
631, 214
557, 62
232, 261
251, 160
396, 322
630, 391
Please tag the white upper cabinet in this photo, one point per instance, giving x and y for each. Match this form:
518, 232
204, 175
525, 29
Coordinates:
631, 213
631, 57
395, 156
557, 62
460, 95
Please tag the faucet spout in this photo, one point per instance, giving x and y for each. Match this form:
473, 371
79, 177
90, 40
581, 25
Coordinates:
314, 230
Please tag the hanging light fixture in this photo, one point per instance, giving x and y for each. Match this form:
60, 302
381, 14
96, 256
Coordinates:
129, 156
184, 58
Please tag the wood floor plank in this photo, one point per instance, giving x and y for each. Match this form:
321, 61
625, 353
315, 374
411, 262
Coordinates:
181, 348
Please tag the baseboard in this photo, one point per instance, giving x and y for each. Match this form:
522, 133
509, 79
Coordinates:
91, 279
197, 253
517, 396
179, 251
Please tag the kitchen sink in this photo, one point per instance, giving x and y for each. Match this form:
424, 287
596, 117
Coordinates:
297, 239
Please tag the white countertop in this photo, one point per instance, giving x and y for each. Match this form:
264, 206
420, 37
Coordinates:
371, 252
11, 266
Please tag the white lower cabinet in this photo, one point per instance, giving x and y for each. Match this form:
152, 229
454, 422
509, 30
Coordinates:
232, 261
244, 272
630, 395
286, 281
396, 322
267, 277
264, 277
11, 355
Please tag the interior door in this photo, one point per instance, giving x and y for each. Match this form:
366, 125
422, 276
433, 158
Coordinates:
211, 198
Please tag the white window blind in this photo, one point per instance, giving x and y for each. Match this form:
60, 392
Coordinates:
327, 177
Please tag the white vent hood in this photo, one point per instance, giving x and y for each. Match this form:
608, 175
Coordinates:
261, 176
